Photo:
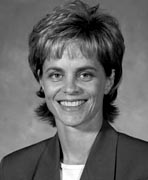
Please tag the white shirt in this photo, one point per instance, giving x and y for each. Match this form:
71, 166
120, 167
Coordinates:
71, 172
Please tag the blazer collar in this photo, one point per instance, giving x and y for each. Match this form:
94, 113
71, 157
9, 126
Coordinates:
102, 158
100, 164
48, 167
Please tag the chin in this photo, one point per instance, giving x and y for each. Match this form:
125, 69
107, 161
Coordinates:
73, 121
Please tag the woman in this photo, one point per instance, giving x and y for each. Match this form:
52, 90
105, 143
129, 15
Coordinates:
76, 56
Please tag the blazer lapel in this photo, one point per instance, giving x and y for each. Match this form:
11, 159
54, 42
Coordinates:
102, 159
48, 167
100, 163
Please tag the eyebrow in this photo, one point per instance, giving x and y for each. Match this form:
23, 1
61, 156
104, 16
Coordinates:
79, 69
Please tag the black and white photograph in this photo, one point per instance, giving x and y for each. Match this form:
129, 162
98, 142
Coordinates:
73, 90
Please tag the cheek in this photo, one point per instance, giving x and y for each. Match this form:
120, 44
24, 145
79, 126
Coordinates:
50, 91
96, 89
96, 96
50, 88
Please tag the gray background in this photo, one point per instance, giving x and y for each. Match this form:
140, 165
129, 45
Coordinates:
19, 126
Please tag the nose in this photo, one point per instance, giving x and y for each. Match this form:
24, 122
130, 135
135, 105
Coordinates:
71, 87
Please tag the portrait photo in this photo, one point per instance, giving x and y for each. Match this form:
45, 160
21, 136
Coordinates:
73, 90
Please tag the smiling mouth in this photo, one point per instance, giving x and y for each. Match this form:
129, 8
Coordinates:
74, 103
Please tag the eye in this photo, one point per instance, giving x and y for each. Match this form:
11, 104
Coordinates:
86, 76
55, 76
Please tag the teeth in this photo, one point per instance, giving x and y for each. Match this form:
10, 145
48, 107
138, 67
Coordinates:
71, 103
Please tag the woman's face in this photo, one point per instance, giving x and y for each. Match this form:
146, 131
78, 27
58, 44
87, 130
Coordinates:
74, 88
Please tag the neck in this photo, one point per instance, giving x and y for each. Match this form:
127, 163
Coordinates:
76, 144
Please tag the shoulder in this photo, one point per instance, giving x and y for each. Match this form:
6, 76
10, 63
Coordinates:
31, 151
24, 160
130, 146
132, 155
128, 143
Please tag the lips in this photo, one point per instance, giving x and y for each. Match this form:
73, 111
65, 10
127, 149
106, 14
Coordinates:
74, 103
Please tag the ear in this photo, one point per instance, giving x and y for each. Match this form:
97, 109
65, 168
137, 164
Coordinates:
41, 84
40, 80
109, 82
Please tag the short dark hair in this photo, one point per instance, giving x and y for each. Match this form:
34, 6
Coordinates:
94, 31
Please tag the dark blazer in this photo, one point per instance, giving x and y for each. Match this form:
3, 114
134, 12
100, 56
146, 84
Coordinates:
114, 156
